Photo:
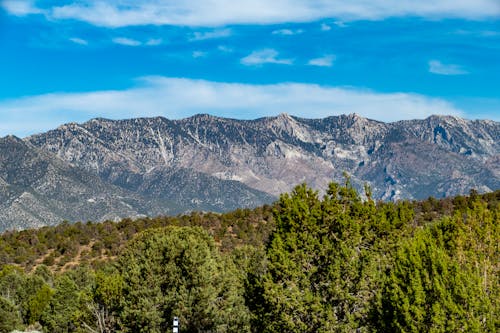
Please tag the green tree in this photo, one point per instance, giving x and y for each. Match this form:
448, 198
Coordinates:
324, 260
292, 303
179, 272
10, 318
13, 297
62, 313
426, 290
39, 303
101, 307
314, 261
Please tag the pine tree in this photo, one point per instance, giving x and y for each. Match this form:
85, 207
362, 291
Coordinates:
179, 272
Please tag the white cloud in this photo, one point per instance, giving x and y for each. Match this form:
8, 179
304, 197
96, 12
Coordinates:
199, 54
437, 67
178, 98
126, 41
154, 42
220, 33
79, 41
225, 49
478, 33
266, 56
287, 32
340, 24
325, 27
20, 7
325, 61
120, 13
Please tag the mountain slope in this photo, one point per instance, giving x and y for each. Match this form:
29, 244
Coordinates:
105, 169
38, 188
437, 156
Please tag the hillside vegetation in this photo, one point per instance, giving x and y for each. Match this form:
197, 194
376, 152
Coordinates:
305, 264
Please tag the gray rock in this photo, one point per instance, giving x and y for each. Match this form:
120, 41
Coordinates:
438, 156
156, 165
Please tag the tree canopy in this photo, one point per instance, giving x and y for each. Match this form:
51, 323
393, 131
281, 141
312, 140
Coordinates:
338, 262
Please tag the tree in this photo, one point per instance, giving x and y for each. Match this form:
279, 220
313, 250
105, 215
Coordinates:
9, 316
426, 290
179, 272
324, 260
102, 304
316, 262
39, 303
61, 315
13, 297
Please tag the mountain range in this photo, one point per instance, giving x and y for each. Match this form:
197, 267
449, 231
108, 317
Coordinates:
110, 169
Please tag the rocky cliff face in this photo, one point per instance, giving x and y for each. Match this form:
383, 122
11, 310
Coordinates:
212, 163
39, 188
409, 159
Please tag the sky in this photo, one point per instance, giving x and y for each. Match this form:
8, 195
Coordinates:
70, 61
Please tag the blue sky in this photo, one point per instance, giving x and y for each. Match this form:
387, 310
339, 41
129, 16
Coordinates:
63, 61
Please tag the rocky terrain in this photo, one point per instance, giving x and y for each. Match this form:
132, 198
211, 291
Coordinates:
156, 165
38, 188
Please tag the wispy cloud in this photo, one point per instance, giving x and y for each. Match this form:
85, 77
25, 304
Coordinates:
126, 41
219, 33
287, 32
437, 67
340, 24
223, 12
325, 61
325, 27
478, 33
199, 54
178, 98
154, 42
79, 41
328, 27
225, 49
20, 7
266, 56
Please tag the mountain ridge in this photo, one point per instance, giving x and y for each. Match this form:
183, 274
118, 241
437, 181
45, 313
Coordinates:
206, 162
283, 136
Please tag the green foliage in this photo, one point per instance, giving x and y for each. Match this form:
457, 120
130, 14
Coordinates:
66, 245
335, 263
9, 316
427, 290
179, 272
108, 289
61, 314
39, 303
323, 259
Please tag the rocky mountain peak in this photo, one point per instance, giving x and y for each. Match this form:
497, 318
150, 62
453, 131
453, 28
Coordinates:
210, 163
477, 139
284, 117
10, 139
202, 118
70, 126
355, 117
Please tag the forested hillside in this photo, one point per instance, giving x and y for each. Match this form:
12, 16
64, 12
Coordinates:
305, 264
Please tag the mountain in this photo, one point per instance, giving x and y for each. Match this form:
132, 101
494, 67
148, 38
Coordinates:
162, 166
438, 156
38, 188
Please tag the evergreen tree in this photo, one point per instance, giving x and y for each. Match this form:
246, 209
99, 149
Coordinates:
10, 318
179, 272
62, 313
427, 290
